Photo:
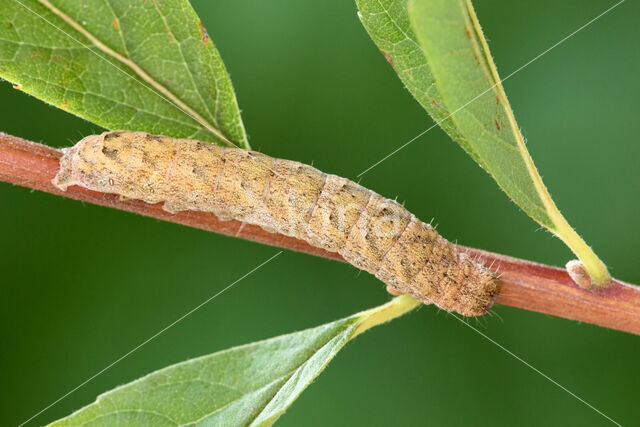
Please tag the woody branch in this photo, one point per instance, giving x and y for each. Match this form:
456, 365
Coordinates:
525, 284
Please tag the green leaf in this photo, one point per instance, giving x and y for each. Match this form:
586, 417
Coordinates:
439, 52
248, 385
144, 65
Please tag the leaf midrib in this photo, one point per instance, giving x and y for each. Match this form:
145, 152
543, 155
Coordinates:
179, 45
172, 98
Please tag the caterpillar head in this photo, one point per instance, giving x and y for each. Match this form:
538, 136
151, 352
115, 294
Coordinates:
95, 162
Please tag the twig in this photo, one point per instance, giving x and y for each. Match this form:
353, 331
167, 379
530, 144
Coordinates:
525, 284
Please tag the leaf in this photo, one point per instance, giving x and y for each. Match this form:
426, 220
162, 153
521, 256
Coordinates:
439, 52
145, 65
248, 385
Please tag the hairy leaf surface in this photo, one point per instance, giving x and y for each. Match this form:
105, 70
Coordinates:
438, 50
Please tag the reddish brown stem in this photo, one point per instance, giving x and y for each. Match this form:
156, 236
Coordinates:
525, 284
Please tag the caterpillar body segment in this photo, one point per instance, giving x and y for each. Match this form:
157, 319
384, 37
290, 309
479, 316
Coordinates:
287, 197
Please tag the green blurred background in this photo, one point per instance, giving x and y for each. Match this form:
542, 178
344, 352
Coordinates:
82, 285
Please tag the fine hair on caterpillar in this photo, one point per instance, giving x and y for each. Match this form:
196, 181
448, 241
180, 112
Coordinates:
371, 232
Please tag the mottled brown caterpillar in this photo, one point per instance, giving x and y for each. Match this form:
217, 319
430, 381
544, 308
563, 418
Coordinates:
282, 196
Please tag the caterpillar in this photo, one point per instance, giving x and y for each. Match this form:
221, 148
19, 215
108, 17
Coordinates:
371, 232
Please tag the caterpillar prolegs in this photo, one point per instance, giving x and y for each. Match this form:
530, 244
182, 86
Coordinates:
371, 232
